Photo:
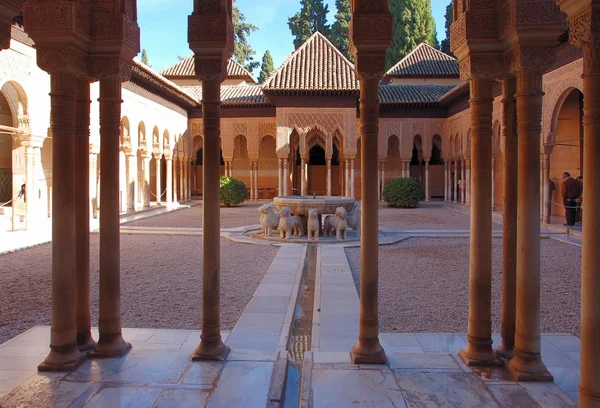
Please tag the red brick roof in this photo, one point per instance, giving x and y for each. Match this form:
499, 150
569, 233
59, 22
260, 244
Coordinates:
425, 62
184, 69
234, 95
406, 95
317, 65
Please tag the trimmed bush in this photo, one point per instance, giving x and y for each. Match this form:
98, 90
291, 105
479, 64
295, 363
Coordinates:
233, 192
403, 193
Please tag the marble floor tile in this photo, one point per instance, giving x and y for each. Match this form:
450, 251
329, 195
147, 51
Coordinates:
159, 367
279, 278
553, 357
441, 343
20, 363
575, 356
24, 350
398, 339
564, 342
100, 369
565, 378
44, 390
252, 355
422, 362
121, 397
459, 390
268, 304
242, 384
274, 289
512, 396
203, 373
320, 357
548, 395
181, 398
169, 336
355, 388
254, 342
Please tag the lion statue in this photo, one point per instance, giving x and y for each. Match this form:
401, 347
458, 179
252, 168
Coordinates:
289, 224
313, 224
269, 219
354, 218
338, 223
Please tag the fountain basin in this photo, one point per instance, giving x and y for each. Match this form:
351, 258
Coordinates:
300, 205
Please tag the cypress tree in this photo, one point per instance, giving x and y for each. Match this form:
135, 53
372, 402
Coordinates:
242, 51
312, 17
340, 30
413, 24
266, 67
144, 58
446, 42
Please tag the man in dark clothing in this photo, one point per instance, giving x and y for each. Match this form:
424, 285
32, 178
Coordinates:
570, 191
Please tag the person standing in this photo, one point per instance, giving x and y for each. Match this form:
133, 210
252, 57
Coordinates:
570, 192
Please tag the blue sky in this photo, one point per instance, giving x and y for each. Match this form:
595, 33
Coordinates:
163, 26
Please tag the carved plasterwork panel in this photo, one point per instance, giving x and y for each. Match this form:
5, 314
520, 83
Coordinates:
557, 85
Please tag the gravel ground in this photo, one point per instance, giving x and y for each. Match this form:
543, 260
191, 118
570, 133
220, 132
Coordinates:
158, 289
424, 285
231, 217
431, 215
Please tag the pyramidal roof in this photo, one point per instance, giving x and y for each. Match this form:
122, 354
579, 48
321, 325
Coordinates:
425, 62
185, 69
317, 65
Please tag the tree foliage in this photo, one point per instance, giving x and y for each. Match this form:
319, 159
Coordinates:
413, 24
340, 30
445, 47
266, 67
144, 58
233, 192
311, 18
403, 193
242, 51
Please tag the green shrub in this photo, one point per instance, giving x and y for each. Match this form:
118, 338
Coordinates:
403, 193
233, 192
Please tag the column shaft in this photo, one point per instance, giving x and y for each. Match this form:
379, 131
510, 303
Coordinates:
30, 194
455, 181
468, 184
347, 178
85, 342
110, 342
280, 171
589, 386
352, 178
382, 178
526, 364
427, 197
463, 182
158, 181
509, 218
131, 177
479, 339
303, 177
256, 181
328, 177
211, 346
493, 183
286, 176
252, 180
169, 177
146, 189
368, 349
64, 354
547, 198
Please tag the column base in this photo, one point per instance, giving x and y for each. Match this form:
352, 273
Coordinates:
66, 358
504, 352
588, 398
479, 353
368, 352
211, 351
111, 346
528, 367
85, 342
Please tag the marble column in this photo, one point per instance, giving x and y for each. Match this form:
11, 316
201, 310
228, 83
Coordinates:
29, 187
589, 386
303, 177
547, 191
110, 342
328, 177
158, 180
468, 182
211, 346
85, 342
280, 173
93, 177
252, 180
493, 183
181, 180
463, 182
169, 177
146, 188
382, 179
347, 178
455, 181
131, 177
256, 180
427, 196
509, 220
41, 215
352, 179
286, 176
479, 338
526, 364
175, 178
64, 354
368, 350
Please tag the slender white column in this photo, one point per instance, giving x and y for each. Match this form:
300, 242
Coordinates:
446, 181
352, 178
347, 178
169, 180
146, 189
280, 171
303, 177
158, 181
256, 180
251, 180
286, 176
455, 182
131, 177
463, 182
29, 187
493, 183
328, 177
427, 197
382, 179
468, 182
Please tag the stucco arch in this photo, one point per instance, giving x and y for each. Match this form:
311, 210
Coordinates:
496, 131
125, 133
554, 105
19, 103
141, 135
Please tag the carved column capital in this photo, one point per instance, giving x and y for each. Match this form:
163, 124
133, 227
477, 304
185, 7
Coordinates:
529, 58
482, 66
5, 34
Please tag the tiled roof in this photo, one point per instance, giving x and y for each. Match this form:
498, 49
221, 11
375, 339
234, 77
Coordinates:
412, 94
184, 69
315, 66
234, 95
425, 62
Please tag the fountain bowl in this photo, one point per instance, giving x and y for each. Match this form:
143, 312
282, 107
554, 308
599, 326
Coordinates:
300, 205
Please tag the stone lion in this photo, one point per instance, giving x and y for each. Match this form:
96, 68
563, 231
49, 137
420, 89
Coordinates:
269, 219
313, 224
354, 218
289, 224
337, 222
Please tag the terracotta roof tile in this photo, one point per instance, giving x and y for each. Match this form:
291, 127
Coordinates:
317, 65
184, 69
412, 94
425, 62
234, 95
